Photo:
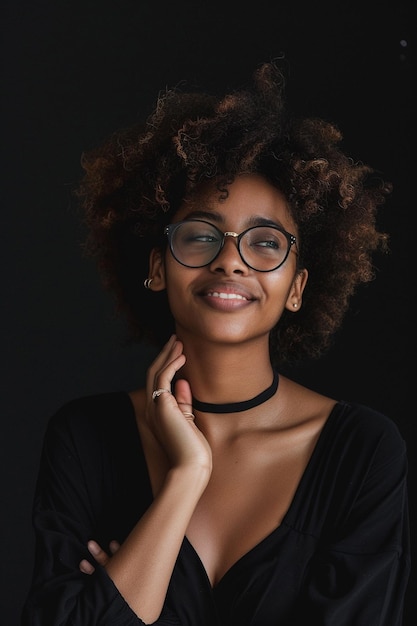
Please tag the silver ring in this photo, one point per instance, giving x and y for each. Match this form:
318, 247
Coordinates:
158, 392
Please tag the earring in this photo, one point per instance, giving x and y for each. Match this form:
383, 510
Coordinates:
295, 305
147, 283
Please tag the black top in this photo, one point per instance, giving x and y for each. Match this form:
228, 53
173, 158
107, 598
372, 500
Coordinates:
340, 556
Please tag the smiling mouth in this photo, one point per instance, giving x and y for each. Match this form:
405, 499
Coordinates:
226, 296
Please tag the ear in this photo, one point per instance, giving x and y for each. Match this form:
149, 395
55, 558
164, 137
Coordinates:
157, 269
295, 296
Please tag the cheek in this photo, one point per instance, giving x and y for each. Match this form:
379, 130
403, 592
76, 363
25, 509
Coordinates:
274, 312
175, 273
176, 279
277, 286
277, 293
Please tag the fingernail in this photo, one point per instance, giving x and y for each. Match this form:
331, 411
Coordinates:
93, 547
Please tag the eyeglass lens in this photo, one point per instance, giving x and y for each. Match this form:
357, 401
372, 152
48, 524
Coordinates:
196, 243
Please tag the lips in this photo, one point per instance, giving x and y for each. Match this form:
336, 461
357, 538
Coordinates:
226, 295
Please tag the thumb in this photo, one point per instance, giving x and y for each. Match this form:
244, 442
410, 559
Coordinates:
183, 397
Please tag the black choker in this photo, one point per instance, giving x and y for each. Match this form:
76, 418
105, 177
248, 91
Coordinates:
235, 407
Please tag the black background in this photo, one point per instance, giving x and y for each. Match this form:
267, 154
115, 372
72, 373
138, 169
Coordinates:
73, 71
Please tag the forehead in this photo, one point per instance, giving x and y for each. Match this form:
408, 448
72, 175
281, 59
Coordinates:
247, 197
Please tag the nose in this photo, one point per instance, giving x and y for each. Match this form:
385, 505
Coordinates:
229, 260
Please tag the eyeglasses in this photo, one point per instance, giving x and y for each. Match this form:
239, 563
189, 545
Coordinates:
196, 243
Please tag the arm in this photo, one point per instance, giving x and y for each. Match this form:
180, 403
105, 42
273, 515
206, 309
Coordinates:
66, 512
142, 567
132, 586
359, 574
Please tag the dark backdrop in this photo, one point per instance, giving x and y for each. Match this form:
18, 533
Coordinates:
75, 70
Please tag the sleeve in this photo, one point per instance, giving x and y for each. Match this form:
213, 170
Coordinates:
64, 520
359, 575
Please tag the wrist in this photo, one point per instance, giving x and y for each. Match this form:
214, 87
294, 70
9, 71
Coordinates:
192, 476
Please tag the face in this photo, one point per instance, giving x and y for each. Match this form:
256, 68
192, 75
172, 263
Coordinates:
226, 300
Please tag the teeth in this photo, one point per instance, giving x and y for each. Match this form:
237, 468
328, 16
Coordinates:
226, 296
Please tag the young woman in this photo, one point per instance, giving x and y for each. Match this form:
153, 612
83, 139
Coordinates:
225, 493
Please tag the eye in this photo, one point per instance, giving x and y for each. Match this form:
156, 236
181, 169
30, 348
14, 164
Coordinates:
267, 243
193, 233
266, 239
209, 238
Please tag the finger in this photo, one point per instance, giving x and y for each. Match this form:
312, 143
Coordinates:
158, 392
98, 553
189, 415
183, 394
184, 398
165, 366
163, 378
114, 546
187, 410
162, 356
86, 567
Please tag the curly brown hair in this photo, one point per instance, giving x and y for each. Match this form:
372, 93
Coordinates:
135, 181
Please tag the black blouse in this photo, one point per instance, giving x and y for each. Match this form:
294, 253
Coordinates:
340, 556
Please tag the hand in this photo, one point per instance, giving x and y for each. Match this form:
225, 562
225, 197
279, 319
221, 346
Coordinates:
170, 416
100, 556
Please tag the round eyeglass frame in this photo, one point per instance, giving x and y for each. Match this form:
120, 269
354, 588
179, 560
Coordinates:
170, 229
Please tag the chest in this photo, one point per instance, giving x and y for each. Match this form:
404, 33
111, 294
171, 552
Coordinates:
250, 491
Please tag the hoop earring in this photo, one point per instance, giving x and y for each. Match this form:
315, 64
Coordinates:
147, 283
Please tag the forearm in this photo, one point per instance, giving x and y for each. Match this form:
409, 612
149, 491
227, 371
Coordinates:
142, 567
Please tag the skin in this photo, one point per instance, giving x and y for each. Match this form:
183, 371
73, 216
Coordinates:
223, 480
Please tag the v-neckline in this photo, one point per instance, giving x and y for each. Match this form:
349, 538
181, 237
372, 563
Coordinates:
229, 572
284, 522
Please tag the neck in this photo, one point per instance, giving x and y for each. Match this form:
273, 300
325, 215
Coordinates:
222, 374
241, 405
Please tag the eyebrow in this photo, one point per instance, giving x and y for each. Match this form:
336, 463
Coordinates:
214, 216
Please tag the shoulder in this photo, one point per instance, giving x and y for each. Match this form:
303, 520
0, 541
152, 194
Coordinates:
366, 433
365, 420
89, 414
348, 424
360, 461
